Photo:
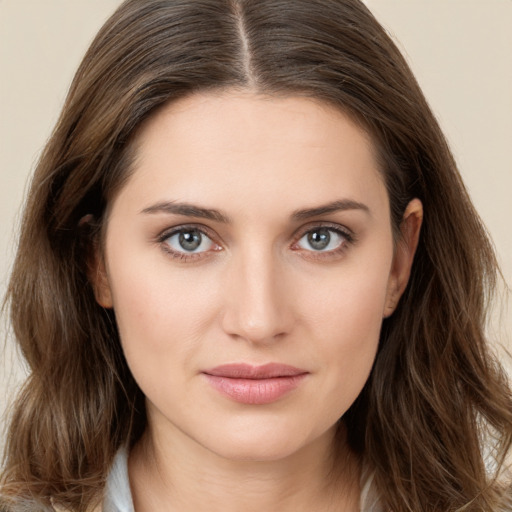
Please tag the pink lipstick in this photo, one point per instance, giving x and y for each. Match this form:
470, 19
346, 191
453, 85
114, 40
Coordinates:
255, 385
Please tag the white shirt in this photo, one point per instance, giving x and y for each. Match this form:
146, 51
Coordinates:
118, 496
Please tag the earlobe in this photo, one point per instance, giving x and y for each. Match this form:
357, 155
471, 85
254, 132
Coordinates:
99, 280
404, 255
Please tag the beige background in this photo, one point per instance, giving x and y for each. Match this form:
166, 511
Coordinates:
461, 51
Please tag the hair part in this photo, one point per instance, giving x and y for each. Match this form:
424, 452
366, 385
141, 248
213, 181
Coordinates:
435, 391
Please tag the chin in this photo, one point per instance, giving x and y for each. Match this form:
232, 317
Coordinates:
268, 444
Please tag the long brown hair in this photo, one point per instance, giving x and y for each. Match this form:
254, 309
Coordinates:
436, 399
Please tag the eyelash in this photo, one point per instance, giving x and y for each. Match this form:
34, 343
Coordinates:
348, 236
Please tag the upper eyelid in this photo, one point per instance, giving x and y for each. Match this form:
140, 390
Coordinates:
328, 225
168, 232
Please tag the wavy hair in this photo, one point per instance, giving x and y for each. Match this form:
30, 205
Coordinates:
436, 399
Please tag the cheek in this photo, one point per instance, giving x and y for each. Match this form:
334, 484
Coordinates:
349, 301
161, 315
344, 319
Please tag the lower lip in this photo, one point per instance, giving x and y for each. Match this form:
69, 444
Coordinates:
255, 391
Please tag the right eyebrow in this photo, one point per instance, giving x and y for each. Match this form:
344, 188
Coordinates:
187, 210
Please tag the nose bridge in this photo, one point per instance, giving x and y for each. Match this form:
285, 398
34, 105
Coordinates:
256, 305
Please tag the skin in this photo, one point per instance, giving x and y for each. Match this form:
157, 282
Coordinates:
256, 291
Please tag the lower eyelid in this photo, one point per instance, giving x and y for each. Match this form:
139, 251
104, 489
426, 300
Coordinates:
186, 256
334, 254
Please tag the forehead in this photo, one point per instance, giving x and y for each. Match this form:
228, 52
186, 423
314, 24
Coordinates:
244, 147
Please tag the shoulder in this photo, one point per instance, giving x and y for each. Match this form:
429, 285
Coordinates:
23, 505
117, 493
33, 505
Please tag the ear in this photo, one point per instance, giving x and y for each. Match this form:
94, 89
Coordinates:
96, 267
404, 254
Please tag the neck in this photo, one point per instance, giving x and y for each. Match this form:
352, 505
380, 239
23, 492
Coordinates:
180, 475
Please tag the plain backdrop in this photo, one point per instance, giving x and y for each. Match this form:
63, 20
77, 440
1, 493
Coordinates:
460, 50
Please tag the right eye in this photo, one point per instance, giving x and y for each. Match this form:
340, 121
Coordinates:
185, 241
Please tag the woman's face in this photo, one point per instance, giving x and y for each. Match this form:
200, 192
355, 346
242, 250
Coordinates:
249, 260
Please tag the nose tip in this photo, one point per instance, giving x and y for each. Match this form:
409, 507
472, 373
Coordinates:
256, 326
254, 320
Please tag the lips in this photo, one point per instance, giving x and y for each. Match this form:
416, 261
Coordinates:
255, 385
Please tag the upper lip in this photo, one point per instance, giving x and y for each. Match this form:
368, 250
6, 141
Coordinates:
249, 371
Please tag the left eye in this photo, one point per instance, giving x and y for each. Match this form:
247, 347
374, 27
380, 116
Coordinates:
322, 240
189, 241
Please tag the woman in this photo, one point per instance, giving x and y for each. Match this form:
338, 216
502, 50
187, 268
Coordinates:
250, 278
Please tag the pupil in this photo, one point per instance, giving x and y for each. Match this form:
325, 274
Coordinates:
190, 240
319, 239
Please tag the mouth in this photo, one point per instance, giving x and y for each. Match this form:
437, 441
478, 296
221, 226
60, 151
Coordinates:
255, 385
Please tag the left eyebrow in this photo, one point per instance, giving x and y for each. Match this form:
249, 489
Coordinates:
335, 206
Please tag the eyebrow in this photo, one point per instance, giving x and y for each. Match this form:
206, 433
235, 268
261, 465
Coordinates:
187, 210
335, 206
191, 210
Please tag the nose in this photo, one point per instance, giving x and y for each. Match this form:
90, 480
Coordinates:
257, 301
